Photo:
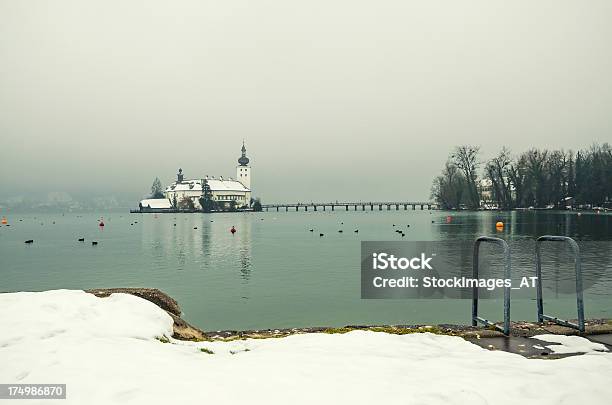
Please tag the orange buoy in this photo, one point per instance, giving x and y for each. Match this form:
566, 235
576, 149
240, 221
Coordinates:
499, 225
4, 221
233, 230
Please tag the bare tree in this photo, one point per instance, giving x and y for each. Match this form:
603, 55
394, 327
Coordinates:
498, 171
447, 189
557, 168
536, 170
518, 178
466, 159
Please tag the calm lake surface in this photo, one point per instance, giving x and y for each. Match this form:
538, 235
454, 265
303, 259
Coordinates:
274, 273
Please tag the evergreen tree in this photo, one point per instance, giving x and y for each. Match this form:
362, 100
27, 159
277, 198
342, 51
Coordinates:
206, 201
157, 190
186, 203
257, 205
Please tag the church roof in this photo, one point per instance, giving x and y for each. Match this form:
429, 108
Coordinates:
226, 185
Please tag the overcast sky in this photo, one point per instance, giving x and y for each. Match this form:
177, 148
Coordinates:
336, 99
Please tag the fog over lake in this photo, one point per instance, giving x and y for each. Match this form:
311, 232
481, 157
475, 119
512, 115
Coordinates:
336, 99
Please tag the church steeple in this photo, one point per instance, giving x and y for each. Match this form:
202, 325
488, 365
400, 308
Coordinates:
243, 160
243, 170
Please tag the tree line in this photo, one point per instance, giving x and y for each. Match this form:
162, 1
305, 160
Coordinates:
538, 178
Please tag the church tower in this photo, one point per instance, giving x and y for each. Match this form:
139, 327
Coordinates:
243, 170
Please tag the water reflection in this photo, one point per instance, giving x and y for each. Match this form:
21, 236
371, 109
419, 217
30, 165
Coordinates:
592, 232
201, 239
244, 248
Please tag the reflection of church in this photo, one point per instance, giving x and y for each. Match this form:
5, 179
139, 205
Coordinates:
224, 191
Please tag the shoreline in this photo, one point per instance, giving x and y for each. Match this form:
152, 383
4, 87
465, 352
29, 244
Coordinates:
187, 332
177, 211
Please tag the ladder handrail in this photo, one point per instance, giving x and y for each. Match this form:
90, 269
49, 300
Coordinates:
507, 275
577, 269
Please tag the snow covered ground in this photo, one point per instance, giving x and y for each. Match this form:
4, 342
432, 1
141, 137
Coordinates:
570, 344
105, 350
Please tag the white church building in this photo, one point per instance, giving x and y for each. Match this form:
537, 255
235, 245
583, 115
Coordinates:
224, 191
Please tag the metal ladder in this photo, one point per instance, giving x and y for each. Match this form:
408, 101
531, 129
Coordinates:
578, 270
507, 274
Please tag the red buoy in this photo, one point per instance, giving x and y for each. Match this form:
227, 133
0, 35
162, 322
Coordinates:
233, 230
101, 222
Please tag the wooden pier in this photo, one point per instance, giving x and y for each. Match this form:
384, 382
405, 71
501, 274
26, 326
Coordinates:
355, 206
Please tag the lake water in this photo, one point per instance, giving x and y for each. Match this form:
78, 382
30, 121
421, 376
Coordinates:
274, 273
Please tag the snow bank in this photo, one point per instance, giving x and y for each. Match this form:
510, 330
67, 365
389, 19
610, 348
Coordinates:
571, 344
105, 350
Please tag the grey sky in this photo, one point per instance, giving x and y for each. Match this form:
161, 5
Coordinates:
335, 99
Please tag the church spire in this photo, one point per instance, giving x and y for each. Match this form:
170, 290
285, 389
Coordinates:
243, 160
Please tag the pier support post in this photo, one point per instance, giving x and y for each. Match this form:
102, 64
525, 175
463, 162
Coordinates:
347, 207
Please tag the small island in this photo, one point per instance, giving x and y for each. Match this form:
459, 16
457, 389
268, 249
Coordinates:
207, 194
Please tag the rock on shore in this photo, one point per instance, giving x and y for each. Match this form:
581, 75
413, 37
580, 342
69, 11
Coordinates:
181, 329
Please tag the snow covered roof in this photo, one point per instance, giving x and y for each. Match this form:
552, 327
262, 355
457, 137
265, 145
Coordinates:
156, 203
226, 185
214, 184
